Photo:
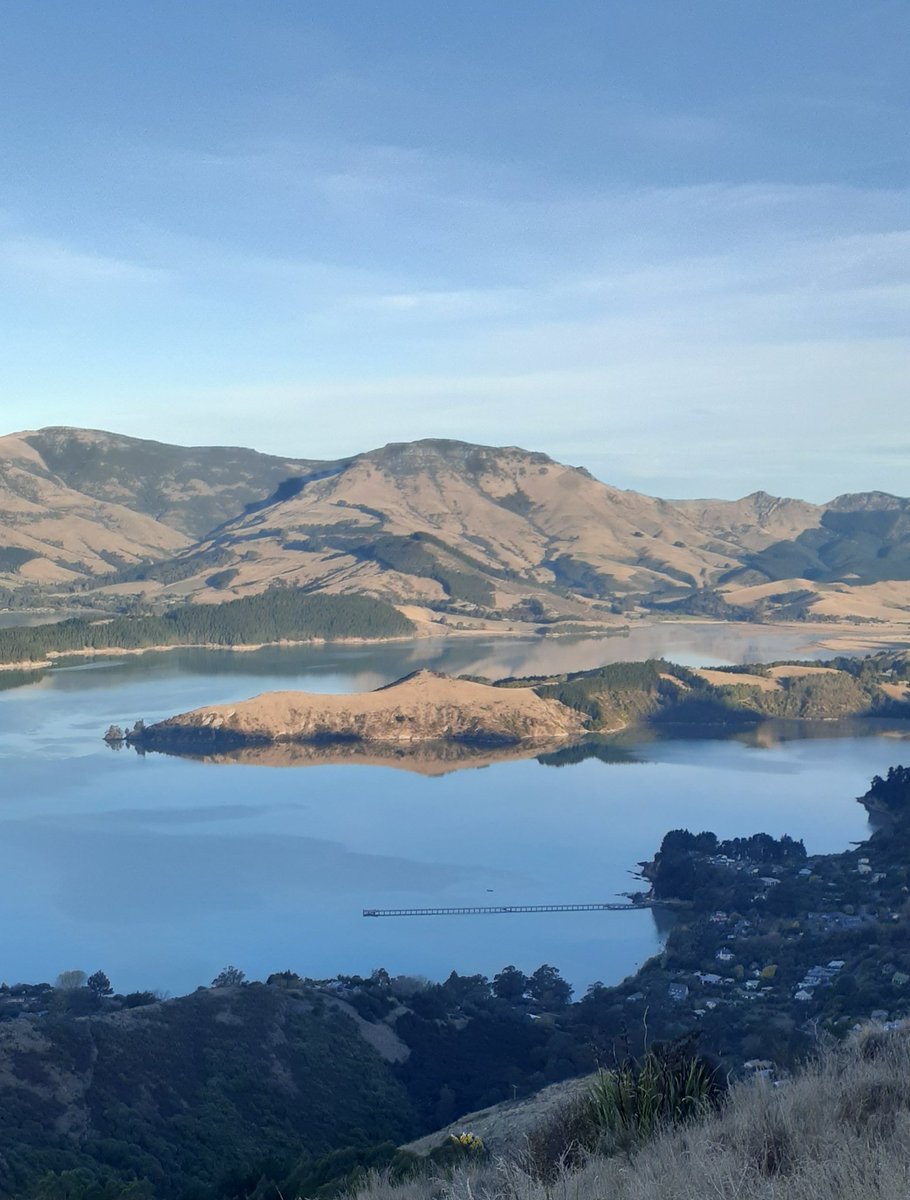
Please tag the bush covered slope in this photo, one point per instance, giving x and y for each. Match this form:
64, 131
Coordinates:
181, 1093
661, 692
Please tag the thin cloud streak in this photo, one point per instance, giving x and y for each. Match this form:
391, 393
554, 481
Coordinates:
32, 262
638, 330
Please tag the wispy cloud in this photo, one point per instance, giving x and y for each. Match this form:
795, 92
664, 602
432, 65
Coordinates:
31, 262
679, 129
659, 335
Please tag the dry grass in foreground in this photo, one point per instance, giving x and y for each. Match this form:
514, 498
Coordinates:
838, 1131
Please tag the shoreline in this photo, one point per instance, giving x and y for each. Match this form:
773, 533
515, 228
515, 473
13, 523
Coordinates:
841, 638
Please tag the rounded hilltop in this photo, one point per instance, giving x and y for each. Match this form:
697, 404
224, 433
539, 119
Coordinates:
422, 707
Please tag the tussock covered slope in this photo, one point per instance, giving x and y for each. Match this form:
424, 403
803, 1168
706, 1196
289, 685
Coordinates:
82, 502
422, 707
496, 524
51, 533
188, 488
753, 522
495, 533
838, 1131
498, 530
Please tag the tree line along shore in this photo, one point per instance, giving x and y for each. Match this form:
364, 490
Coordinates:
279, 614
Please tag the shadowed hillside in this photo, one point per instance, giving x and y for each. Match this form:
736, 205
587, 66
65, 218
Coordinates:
182, 1092
190, 489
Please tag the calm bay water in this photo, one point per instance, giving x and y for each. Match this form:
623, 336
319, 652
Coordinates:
161, 871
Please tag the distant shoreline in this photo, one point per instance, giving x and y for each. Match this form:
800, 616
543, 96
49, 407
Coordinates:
57, 656
838, 638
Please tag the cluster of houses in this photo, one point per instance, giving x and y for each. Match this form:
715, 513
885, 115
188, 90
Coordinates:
880, 1016
831, 922
817, 977
28, 1000
750, 989
739, 928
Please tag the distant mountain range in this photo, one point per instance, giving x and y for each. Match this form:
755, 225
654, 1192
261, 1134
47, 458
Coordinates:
446, 529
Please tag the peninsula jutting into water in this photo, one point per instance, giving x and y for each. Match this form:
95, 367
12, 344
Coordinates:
422, 707
430, 707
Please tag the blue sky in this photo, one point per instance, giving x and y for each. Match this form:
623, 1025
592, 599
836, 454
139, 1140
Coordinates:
666, 241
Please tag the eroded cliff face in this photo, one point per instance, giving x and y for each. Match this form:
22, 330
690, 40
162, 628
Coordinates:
423, 707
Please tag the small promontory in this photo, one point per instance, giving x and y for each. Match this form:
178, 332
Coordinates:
421, 707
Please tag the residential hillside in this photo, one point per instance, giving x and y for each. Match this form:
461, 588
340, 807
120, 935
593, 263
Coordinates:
445, 528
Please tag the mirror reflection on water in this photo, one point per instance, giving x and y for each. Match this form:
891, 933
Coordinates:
161, 870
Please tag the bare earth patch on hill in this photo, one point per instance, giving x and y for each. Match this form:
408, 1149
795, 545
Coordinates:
798, 670
736, 679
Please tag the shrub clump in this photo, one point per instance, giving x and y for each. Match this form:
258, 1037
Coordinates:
627, 1105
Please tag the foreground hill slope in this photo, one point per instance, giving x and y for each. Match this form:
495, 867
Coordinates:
229, 1094
837, 1131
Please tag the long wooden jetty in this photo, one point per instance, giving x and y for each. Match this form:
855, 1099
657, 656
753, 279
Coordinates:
472, 909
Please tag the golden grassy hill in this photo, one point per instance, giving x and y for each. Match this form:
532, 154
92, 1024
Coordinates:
422, 707
472, 531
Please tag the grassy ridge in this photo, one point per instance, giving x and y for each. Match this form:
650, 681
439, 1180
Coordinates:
277, 615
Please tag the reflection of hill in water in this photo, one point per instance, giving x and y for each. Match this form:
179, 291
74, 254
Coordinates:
766, 735
444, 757
425, 758
606, 750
